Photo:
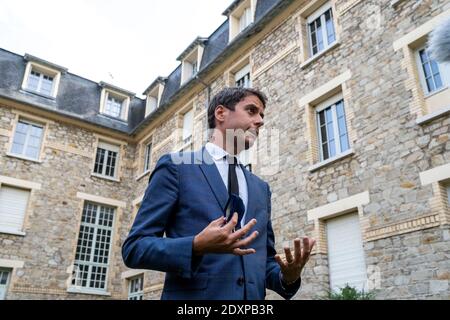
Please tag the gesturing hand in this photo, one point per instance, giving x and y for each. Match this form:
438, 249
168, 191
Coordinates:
218, 237
292, 266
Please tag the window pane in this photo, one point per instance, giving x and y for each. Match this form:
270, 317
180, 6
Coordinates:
111, 163
113, 107
148, 153
319, 34
18, 143
330, 26
99, 160
33, 81
46, 86
330, 131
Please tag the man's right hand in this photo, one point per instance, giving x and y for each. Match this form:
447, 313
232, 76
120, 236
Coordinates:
218, 237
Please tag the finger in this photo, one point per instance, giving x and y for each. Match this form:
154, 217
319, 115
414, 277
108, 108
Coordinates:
243, 252
244, 230
306, 249
232, 223
245, 242
288, 254
280, 261
297, 250
219, 221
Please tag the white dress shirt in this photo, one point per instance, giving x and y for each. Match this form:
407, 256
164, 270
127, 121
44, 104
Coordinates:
218, 155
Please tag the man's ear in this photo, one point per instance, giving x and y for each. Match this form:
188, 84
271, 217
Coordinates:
221, 113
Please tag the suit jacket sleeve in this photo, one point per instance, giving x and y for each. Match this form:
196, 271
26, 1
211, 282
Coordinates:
273, 271
145, 247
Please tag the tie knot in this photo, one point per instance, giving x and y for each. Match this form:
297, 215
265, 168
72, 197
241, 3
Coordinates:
231, 159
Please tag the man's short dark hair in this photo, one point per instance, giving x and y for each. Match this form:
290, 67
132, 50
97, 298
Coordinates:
229, 98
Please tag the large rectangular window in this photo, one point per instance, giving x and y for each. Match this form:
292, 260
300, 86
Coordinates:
106, 160
332, 129
27, 139
136, 288
321, 29
93, 247
13, 205
345, 253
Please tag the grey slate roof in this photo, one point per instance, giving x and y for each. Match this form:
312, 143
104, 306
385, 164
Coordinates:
79, 98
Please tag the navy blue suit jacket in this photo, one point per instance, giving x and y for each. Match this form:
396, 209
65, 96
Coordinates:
180, 201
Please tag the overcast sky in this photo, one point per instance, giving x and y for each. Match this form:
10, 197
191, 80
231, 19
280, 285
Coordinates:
127, 43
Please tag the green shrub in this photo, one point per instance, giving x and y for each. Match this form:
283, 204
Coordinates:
349, 293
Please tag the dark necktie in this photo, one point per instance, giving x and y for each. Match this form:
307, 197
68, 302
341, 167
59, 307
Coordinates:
235, 202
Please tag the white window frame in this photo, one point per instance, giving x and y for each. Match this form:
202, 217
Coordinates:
320, 13
444, 72
116, 95
30, 123
148, 156
331, 102
241, 75
91, 263
56, 75
108, 147
8, 271
245, 19
139, 294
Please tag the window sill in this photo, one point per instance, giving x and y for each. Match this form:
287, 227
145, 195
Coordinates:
12, 232
318, 55
432, 116
142, 175
322, 164
104, 177
88, 291
430, 94
12, 155
37, 93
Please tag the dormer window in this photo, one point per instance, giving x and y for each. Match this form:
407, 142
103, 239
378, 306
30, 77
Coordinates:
115, 102
241, 14
42, 77
154, 93
191, 59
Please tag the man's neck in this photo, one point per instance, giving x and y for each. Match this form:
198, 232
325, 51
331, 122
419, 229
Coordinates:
223, 145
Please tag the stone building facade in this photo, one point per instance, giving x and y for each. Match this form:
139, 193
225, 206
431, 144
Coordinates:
357, 130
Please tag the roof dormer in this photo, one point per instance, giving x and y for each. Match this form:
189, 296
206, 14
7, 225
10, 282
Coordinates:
241, 14
191, 59
42, 77
114, 101
154, 93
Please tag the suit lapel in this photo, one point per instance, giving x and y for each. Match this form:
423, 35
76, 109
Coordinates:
213, 177
251, 205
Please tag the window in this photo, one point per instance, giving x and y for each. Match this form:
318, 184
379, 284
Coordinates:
40, 82
345, 252
106, 160
332, 129
13, 205
148, 157
448, 193
27, 139
93, 247
188, 127
115, 101
321, 30
433, 75
136, 288
194, 68
242, 77
240, 16
4, 281
245, 19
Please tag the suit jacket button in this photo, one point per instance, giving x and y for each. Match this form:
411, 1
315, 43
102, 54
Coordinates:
240, 281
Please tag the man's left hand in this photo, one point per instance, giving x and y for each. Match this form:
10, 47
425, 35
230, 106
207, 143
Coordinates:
292, 265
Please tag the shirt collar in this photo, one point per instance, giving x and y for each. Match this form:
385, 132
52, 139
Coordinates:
216, 152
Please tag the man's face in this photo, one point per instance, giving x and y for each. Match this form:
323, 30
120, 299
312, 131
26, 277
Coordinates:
244, 121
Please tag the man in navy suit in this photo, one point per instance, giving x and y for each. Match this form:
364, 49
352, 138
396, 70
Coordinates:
215, 214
